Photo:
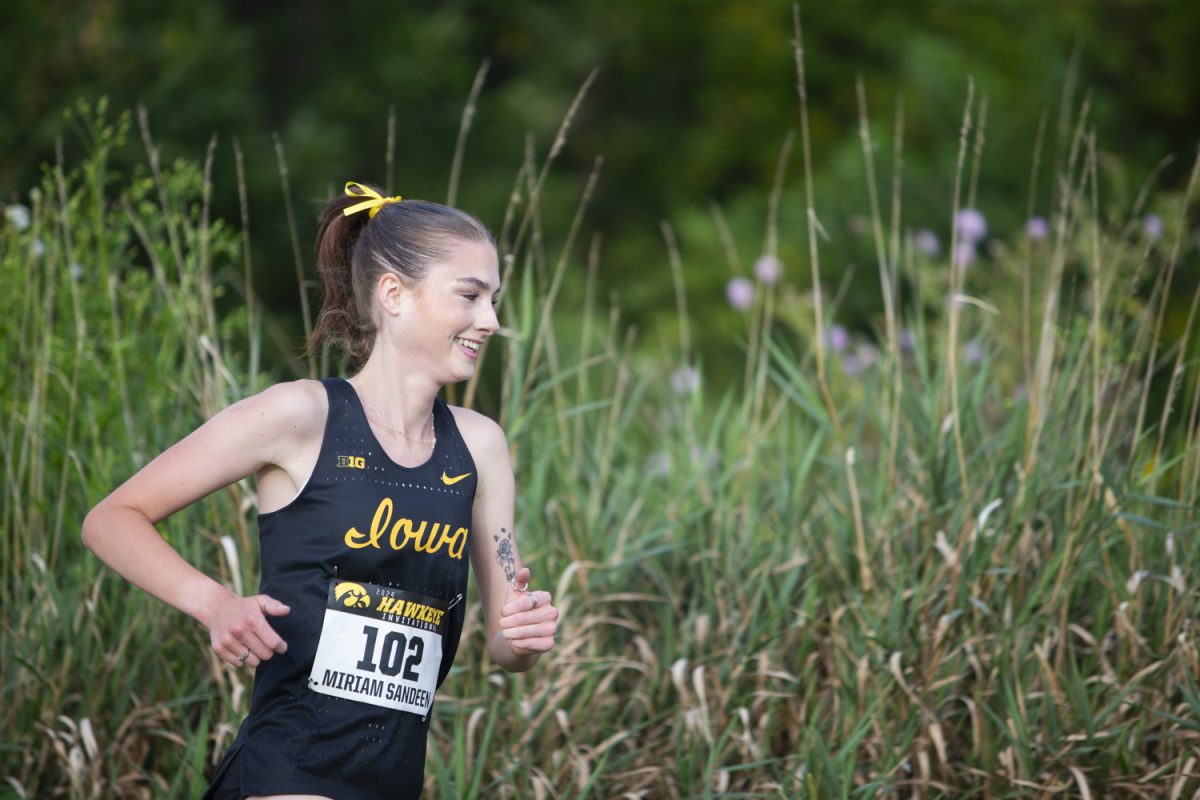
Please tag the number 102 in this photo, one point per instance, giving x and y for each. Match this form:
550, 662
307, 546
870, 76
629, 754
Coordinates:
391, 658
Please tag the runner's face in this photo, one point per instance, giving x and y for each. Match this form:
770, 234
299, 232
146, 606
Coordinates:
454, 311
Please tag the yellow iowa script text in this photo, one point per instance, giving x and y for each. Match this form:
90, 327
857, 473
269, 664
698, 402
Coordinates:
403, 533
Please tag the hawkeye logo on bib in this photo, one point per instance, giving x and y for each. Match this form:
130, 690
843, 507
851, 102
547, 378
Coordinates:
406, 532
351, 595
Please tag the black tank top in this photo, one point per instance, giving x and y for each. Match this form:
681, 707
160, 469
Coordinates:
372, 559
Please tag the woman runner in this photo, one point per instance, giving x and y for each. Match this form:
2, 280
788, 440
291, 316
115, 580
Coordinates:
373, 493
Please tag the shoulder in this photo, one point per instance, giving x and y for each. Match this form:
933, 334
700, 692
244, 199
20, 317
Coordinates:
294, 408
484, 437
302, 399
290, 399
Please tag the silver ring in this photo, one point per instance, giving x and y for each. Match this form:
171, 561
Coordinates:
242, 658
513, 583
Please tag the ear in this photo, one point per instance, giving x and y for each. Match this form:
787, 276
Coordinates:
391, 292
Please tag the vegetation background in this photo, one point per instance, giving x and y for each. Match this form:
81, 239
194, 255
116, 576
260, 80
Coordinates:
896, 498
690, 105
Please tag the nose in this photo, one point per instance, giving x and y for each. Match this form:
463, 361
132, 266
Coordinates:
488, 323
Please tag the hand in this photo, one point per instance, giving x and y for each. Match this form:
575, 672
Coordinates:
239, 631
528, 620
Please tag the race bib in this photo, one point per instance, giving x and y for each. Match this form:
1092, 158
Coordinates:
380, 646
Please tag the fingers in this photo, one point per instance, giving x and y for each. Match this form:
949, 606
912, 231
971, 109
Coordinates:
257, 647
260, 628
245, 637
240, 642
526, 601
533, 631
271, 606
536, 645
529, 623
529, 620
232, 654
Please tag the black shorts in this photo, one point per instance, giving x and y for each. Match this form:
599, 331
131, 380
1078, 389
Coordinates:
227, 782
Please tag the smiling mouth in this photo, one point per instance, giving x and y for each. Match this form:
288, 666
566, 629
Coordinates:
467, 343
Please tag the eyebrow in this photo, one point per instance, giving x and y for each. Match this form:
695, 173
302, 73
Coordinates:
482, 284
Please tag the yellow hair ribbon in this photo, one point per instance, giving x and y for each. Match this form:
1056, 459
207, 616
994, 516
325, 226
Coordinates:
374, 201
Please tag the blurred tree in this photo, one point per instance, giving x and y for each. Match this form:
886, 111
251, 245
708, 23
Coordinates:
183, 61
692, 102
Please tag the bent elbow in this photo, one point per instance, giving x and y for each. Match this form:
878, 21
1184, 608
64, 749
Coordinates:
89, 531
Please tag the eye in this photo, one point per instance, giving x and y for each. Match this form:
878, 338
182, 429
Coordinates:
471, 296
495, 300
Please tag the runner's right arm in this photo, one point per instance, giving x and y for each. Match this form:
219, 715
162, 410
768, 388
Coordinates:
261, 432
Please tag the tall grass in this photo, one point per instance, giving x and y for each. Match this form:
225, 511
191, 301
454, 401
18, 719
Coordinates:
936, 577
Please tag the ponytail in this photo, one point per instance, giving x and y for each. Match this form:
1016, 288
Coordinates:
341, 322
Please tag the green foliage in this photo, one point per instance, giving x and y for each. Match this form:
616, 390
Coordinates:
111, 351
688, 111
921, 571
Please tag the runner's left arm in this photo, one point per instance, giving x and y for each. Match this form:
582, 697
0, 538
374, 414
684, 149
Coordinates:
521, 625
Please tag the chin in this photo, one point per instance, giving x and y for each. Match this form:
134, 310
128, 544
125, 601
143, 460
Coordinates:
458, 376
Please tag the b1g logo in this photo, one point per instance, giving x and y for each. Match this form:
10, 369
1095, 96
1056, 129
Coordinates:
352, 462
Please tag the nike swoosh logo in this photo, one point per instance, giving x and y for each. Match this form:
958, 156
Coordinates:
446, 479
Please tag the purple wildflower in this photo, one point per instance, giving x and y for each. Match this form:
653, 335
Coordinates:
685, 380
972, 226
867, 354
964, 254
972, 352
927, 242
768, 269
1153, 226
740, 293
1037, 228
852, 365
837, 338
908, 342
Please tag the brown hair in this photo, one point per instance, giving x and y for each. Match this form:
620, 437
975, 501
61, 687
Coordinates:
405, 237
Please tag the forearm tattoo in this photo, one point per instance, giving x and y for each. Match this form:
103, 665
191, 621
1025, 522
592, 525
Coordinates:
505, 555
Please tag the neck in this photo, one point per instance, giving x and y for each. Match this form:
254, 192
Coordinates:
401, 399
